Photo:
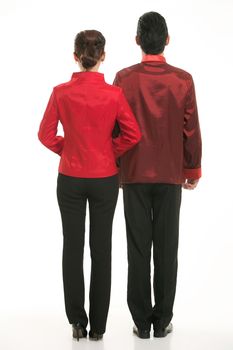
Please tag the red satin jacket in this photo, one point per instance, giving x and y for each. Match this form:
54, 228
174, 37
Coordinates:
163, 101
88, 109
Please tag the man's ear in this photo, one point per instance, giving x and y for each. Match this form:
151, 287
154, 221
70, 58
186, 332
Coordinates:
168, 40
137, 39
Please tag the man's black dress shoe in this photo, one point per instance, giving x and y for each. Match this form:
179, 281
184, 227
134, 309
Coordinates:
143, 334
78, 331
95, 336
160, 333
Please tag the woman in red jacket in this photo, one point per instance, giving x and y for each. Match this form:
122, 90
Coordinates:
88, 109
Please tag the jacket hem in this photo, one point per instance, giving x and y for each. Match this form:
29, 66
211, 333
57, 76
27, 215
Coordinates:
89, 176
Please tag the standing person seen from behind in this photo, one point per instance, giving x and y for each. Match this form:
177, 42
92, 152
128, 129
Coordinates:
88, 109
152, 174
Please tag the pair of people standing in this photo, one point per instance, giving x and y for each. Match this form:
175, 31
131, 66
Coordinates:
147, 123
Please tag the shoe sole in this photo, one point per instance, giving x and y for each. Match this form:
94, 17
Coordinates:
96, 338
77, 334
141, 336
161, 334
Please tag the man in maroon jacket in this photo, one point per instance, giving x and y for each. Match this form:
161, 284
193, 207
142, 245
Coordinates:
152, 174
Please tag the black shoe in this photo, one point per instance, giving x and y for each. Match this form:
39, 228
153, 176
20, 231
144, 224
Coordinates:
143, 334
78, 331
95, 336
160, 333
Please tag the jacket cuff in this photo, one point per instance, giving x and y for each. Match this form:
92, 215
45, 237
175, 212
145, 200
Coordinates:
192, 173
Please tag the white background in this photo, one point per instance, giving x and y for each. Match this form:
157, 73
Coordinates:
36, 45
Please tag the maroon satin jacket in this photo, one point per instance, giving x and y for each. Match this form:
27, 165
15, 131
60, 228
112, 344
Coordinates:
163, 100
88, 109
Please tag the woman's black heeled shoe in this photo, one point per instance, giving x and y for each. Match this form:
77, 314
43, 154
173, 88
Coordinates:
95, 336
78, 331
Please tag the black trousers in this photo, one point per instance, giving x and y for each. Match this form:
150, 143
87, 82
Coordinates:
152, 219
73, 194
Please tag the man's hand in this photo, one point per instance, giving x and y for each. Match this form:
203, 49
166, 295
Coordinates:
190, 184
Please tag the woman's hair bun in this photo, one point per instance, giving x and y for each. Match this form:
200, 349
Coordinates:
89, 47
88, 61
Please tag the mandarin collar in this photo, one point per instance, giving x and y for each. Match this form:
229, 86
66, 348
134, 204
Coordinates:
153, 58
88, 76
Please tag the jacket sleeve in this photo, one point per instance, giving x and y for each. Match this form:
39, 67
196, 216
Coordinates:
116, 130
48, 127
192, 136
129, 134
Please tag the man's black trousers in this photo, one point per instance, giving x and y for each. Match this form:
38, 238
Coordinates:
152, 219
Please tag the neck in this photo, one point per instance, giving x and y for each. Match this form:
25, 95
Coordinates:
157, 54
89, 70
92, 69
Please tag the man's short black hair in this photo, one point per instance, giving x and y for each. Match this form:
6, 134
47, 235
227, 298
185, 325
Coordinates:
152, 33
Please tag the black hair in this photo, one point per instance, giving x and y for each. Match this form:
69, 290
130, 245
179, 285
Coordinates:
89, 47
152, 33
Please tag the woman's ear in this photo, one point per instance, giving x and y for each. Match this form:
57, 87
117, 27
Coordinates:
103, 57
168, 39
75, 57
